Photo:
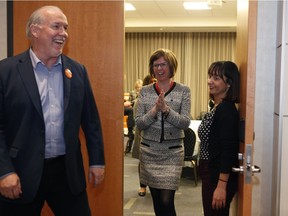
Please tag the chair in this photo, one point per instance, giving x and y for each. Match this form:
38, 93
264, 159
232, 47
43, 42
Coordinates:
189, 145
125, 127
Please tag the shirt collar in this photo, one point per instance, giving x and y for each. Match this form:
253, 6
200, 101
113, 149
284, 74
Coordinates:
35, 60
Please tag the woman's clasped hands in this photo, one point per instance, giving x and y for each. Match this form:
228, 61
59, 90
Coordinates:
160, 103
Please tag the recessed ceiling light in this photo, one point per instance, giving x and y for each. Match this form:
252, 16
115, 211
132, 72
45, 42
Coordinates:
214, 3
196, 6
129, 7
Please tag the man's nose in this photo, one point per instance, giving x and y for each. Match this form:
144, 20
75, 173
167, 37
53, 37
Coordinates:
63, 30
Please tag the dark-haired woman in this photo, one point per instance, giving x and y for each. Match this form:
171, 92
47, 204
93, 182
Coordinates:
218, 133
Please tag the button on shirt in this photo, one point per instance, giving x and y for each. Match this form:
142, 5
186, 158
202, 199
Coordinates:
50, 86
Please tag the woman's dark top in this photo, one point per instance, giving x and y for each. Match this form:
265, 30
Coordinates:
219, 135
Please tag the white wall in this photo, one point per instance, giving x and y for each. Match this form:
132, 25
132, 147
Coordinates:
264, 107
280, 165
3, 31
270, 191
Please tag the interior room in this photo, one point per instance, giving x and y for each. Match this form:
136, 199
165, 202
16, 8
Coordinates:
197, 37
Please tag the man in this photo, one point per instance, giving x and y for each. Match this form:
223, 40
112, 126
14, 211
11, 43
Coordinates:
44, 99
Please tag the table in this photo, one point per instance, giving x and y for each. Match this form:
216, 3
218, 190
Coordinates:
194, 126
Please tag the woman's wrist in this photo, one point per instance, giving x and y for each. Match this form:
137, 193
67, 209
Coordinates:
166, 112
154, 112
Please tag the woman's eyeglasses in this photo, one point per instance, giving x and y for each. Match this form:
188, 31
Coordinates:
161, 65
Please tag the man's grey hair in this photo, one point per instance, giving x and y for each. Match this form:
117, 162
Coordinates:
37, 17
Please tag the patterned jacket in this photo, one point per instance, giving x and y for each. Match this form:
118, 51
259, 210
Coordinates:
170, 127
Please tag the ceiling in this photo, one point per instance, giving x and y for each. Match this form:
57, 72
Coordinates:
170, 16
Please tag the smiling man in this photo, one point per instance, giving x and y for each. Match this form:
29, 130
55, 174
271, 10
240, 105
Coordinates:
45, 97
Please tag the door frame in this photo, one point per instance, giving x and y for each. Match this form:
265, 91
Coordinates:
246, 60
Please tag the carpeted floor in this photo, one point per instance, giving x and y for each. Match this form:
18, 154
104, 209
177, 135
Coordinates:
187, 200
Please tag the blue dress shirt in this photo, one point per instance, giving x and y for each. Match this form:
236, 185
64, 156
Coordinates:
50, 86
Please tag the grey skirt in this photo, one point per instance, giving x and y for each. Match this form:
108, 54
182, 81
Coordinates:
161, 168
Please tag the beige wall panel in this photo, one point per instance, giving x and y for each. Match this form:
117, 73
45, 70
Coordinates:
96, 39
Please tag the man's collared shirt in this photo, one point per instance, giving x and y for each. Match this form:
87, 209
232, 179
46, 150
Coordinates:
50, 86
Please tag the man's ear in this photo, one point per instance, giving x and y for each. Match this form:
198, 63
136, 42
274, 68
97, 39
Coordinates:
34, 29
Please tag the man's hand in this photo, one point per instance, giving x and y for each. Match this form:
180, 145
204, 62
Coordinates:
96, 175
10, 186
127, 104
